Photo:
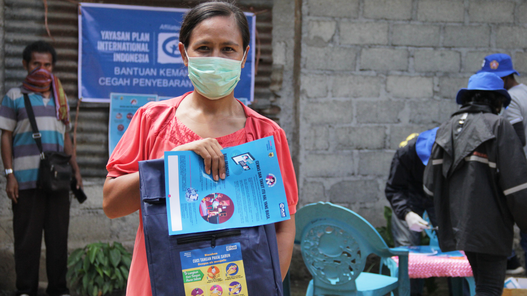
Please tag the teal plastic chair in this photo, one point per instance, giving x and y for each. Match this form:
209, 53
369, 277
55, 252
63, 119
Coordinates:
457, 285
335, 243
434, 242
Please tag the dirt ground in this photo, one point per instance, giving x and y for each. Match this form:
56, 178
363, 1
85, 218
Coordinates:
437, 287
299, 287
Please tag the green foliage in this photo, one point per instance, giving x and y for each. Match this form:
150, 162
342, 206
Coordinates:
386, 231
99, 269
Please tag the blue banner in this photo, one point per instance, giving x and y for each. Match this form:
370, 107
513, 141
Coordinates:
134, 50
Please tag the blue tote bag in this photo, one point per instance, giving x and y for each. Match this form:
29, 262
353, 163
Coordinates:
166, 254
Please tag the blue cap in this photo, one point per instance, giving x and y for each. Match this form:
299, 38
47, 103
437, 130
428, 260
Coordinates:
424, 143
485, 81
499, 64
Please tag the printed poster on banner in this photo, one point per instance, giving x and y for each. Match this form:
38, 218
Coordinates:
134, 49
214, 271
252, 193
122, 110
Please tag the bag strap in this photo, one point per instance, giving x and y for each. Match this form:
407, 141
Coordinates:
31, 116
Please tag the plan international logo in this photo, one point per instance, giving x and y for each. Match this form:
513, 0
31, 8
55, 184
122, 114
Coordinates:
167, 48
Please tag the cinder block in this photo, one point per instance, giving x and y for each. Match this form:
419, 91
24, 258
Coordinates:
511, 37
399, 133
283, 23
449, 86
355, 86
373, 213
317, 138
370, 33
520, 62
415, 35
311, 192
329, 58
332, 112
354, 191
322, 30
385, 111
333, 8
375, 162
446, 109
467, 36
279, 53
427, 60
384, 59
388, 9
410, 86
425, 112
490, 11
314, 86
441, 11
522, 12
360, 137
327, 165
473, 61
432, 111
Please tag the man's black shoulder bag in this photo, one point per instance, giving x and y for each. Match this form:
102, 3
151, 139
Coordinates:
55, 171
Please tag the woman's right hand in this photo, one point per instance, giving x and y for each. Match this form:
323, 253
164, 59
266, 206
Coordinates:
210, 150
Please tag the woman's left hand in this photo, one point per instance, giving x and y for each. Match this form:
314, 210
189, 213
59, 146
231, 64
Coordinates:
210, 150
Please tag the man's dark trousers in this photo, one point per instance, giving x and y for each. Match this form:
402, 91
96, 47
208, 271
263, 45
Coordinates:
34, 212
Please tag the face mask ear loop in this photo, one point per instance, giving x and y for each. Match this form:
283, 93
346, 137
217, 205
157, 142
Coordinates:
188, 60
244, 53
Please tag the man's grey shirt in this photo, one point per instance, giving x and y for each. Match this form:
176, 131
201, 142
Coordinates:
517, 110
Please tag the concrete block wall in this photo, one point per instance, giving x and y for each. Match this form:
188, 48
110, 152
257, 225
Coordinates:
375, 71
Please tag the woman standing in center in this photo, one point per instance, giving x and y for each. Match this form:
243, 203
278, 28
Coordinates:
214, 41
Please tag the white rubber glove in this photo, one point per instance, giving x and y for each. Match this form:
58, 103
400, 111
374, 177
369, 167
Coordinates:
415, 222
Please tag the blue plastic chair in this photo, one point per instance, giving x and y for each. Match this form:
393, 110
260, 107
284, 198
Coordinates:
335, 243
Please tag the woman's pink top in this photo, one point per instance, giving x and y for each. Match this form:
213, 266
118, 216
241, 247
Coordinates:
154, 130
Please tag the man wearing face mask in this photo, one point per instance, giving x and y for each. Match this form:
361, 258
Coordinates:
35, 210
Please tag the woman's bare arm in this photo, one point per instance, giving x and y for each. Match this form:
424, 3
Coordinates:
121, 195
285, 236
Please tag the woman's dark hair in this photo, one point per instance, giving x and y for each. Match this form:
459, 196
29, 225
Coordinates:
40, 47
207, 10
482, 97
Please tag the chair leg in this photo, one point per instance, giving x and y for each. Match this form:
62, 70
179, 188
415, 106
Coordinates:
471, 285
309, 291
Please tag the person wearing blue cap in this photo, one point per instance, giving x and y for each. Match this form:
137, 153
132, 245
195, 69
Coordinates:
501, 65
477, 177
404, 188
404, 191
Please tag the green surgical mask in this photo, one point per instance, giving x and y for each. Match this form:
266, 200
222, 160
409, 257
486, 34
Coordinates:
214, 77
